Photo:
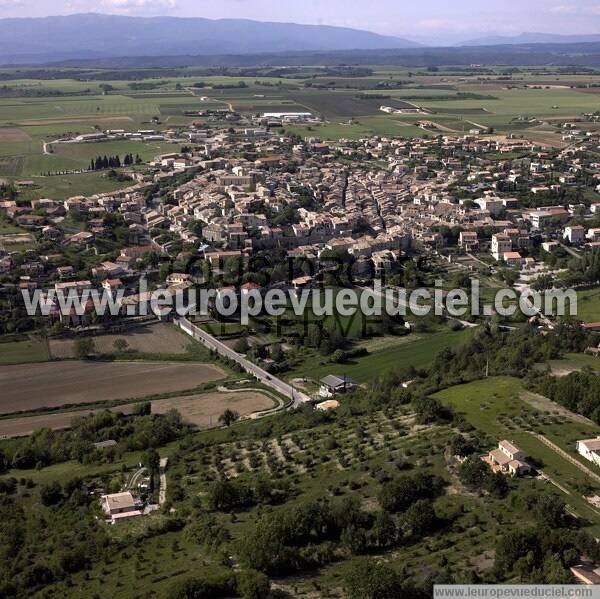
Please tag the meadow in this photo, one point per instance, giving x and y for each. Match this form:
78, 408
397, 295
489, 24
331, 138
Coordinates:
499, 407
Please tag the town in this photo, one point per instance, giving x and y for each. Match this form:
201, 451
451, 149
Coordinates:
284, 318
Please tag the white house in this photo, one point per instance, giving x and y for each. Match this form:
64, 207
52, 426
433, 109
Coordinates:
590, 450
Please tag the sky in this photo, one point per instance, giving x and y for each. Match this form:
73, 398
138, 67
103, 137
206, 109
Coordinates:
427, 20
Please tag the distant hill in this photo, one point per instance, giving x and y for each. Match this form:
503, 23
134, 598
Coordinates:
559, 55
532, 38
96, 36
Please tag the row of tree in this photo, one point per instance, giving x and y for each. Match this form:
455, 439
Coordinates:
107, 162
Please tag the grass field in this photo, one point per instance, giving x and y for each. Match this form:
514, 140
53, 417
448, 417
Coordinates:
496, 407
588, 305
418, 353
22, 352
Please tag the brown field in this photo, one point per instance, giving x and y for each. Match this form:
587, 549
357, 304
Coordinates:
73, 119
24, 426
54, 384
13, 134
204, 410
201, 410
156, 338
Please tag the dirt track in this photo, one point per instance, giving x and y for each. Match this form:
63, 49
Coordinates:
53, 384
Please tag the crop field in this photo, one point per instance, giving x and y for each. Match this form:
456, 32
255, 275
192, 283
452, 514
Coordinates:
201, 410
204, 410
55, 384
159, 338
458, 101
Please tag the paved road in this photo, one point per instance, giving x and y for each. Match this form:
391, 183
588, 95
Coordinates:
297, 397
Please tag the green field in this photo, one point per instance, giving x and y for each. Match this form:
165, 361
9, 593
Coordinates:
23, 352
344, 103
418, 353
588, 305
495, 407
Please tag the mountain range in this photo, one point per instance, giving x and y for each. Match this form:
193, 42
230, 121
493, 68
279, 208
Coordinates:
88, 36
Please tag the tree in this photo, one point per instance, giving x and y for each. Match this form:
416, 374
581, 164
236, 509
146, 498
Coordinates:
419, 519
549, 509
228, 417
120, 345
152, 460
253, 585
51, 494
371, 580
400, 493
383, 534
496, 485
354, 539
473, 473
461, 447
277, 354
143, 409
241, 346
84, 348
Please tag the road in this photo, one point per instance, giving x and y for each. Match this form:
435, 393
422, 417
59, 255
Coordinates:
571, 252
297, 398
162, 490
133, 482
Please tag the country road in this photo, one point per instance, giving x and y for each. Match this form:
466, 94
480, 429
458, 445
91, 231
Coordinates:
298, 398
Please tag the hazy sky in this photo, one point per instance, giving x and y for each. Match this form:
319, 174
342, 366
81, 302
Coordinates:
429, 20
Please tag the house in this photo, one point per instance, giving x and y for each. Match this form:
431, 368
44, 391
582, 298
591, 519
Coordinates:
508, 458
593, 235
333, 385
590, 450
302, 282
549, 246
501, 244
468, 240
120, 506
179, 278
575, 234
513, 258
